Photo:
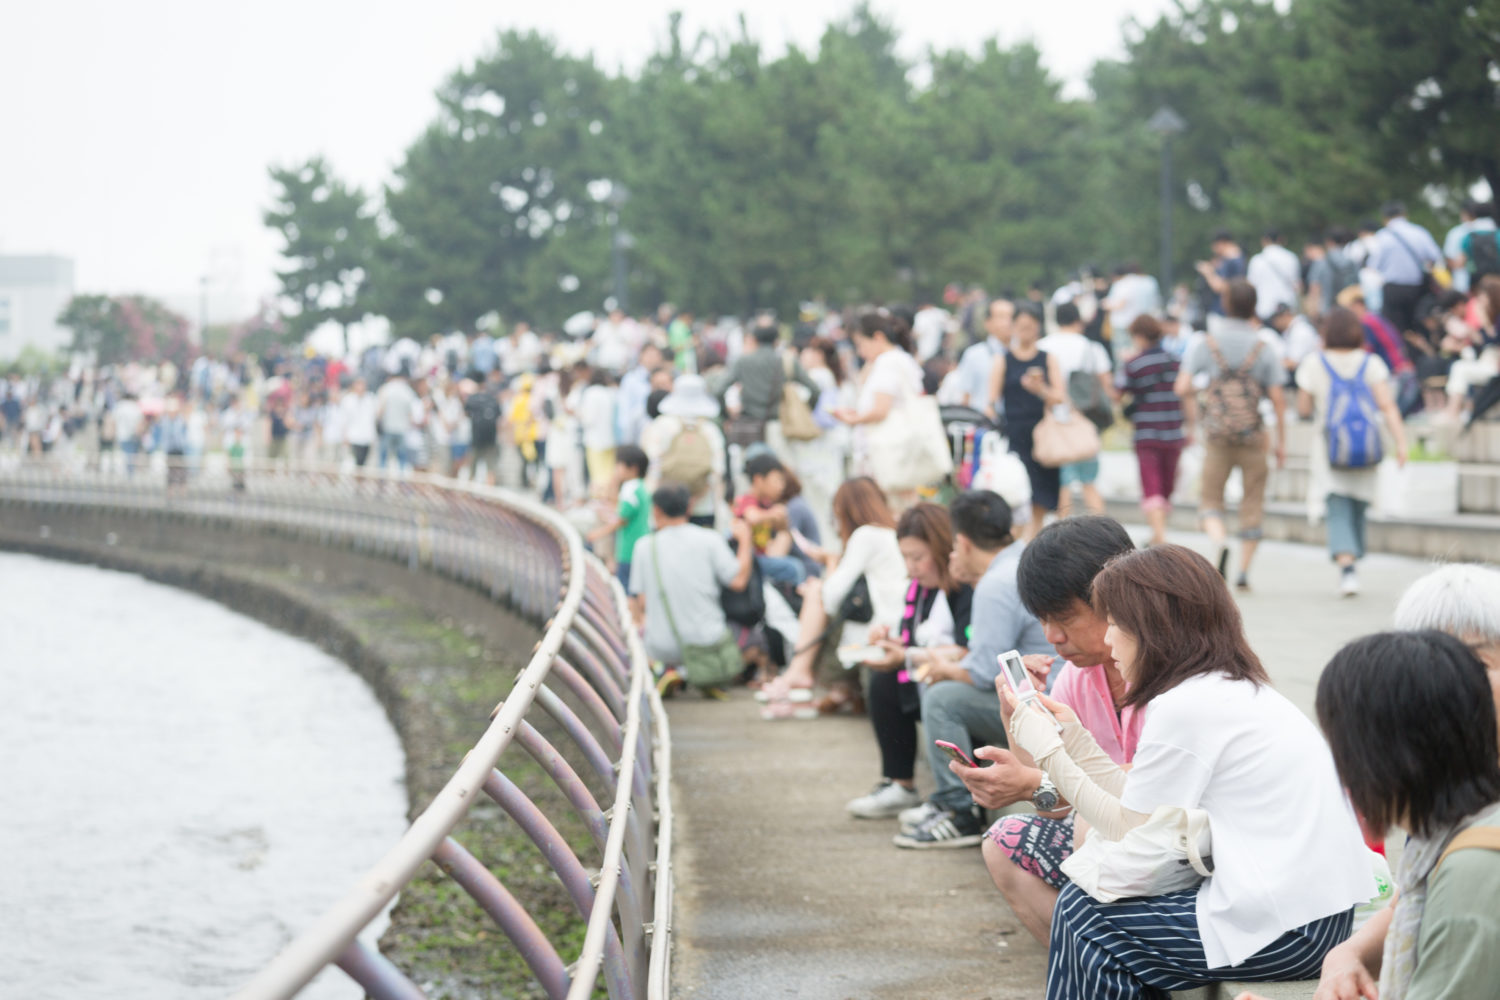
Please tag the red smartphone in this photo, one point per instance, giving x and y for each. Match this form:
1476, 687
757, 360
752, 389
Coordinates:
957, 754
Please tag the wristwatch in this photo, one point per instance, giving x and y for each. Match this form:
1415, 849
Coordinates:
1045, 798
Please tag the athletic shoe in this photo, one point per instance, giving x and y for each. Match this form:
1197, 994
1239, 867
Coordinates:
1349, 585
946, 829
912, 819
887, 800
1242, 583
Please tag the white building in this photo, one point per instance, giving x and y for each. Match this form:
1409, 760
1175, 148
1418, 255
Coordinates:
33, 290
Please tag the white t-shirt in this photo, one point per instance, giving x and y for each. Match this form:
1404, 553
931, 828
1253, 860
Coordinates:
929, 326
1130, 296
895, 374
872, 552
596, 412
394, 402
359, 418
1275, 273
1075, 353
1286, 847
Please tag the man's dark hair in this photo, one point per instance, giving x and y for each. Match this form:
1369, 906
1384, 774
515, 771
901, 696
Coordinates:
633, 458
983, 517
1058, 566
1272, 235
763, 464
1067, 314
1239, 299
1222, 236
1342, 235
672, 500
1391, 209
766, 333
1410, 718
1024, 308
1474, 208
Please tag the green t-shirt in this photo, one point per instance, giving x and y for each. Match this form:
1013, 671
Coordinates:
635, 511
1458, 947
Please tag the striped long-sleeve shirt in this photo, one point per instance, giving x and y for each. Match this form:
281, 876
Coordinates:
1157, 413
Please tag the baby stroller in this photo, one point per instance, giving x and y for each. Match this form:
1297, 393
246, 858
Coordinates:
982, 460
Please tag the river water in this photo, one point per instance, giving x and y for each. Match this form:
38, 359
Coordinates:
181, 788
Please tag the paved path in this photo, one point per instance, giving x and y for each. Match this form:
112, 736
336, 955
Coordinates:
781, 894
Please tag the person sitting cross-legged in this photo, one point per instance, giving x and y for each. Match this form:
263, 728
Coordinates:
1024, 854
959, 704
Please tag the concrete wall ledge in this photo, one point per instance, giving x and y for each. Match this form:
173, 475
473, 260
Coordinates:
1457, 538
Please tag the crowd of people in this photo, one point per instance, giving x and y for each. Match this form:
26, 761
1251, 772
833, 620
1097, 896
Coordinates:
864, 510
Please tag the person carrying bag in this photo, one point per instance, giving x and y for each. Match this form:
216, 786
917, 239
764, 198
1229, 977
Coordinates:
708, 666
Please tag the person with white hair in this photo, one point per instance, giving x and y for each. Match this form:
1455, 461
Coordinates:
1463, 600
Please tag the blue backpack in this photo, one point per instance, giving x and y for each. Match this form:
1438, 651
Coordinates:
1353, 420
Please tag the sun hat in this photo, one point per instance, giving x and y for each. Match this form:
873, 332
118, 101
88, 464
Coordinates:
689, 398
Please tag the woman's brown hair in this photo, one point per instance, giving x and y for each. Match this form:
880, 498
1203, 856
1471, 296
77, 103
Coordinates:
1177, 608
1147, 328
1342, 330
860, 502
929, 524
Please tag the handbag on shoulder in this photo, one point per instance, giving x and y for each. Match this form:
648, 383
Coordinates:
1063, 437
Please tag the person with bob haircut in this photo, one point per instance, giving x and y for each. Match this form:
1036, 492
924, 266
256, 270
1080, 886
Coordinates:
1345, 494
1288, 860
936, 615
1438, 781
1462, 600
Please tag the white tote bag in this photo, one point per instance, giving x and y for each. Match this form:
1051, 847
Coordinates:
1002, 471
909, 448
1170, 851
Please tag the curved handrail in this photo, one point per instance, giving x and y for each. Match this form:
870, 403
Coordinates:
315, 499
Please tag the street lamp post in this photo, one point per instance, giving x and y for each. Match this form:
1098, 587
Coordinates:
619, 242
1166, 123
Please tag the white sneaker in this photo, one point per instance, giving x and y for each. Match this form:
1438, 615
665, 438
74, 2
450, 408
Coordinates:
1349, 586
913, 818
887, 800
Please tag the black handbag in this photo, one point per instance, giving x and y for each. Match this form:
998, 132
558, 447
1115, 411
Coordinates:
857, 607
746, 607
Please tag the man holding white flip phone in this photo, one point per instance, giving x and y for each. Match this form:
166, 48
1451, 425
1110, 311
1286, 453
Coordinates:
959, 702
1024, 854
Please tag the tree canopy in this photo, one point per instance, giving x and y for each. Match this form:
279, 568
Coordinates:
851, 172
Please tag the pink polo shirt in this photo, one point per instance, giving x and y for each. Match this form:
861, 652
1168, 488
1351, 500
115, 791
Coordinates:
1086, 691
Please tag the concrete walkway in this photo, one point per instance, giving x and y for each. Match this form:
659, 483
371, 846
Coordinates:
781, 894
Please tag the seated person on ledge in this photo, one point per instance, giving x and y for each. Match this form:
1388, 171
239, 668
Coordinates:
1024, 854
959, 704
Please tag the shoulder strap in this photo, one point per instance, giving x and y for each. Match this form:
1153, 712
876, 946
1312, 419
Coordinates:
661, 592
1218, 356
1249, 362
1481, 837
1407, 247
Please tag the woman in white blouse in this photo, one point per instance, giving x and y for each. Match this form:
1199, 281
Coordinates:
867, 529
1288, 860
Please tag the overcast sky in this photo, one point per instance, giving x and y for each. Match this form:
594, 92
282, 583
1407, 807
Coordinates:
134, 137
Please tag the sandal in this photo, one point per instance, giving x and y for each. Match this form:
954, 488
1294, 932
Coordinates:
782, 711
841, 701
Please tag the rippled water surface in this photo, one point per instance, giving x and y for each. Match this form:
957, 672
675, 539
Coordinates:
181, 788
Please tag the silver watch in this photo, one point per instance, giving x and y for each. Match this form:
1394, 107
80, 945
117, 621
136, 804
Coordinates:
1045, 798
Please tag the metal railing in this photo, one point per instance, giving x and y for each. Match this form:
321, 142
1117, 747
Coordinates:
526, 555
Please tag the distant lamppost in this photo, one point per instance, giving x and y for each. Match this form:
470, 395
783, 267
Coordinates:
1166, 123
620, 241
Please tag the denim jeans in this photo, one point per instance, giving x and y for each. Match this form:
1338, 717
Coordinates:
1346, 526
394, 447
966, 716
782, 569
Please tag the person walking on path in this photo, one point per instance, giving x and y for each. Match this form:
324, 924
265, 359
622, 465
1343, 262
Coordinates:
1024, 381
1404, 254
1238, 373
1347, 392
1156, 412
